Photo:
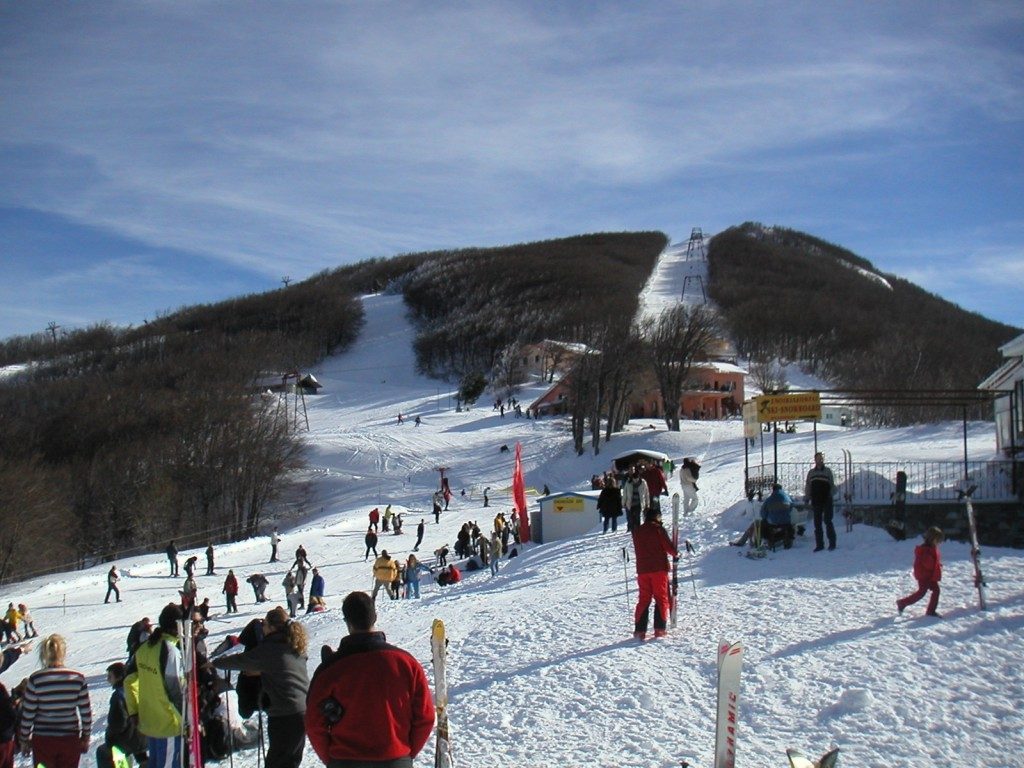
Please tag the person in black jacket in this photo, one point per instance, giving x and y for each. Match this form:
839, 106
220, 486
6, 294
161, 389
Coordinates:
122, 731
172, 558
8, 725
138, 634
609, 504
280, 660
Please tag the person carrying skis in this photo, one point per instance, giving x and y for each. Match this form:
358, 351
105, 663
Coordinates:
927, 572
819, 489
280, 661
122, 731
369, 702
688, 475
371, 543
419, 534
172, 558
154, 689
112, 578
651, 544
230, 592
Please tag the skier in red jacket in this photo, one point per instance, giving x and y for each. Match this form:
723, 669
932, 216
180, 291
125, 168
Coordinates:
369, 701
927, 571
651, 544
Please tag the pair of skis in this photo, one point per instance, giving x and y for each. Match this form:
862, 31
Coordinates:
439, 651
190, 717
979, 578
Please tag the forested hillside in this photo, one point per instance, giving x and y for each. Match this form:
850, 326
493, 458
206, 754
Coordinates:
784, 294
474, 304
120, 438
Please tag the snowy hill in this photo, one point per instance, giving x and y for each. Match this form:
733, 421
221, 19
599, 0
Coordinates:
543, 669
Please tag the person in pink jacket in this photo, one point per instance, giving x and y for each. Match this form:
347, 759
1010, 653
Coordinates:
927, 571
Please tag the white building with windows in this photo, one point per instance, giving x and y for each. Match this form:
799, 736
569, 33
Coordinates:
1008, 380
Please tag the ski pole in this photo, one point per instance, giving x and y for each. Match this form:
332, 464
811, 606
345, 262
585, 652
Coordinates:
231, 730
689, 553
625, 575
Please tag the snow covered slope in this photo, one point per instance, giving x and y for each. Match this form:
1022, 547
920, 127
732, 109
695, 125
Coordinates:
543, 670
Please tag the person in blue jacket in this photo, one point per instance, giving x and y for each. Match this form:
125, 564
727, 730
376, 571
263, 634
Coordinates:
776, 519
316, 591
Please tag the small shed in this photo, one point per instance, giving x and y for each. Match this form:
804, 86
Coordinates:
567, 514
629, 458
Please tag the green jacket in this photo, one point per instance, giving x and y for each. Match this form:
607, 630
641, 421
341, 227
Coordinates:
153, 688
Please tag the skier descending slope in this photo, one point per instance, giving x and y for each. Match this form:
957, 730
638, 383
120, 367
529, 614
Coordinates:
651, 544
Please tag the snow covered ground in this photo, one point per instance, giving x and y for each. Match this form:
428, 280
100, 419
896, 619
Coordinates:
543, 669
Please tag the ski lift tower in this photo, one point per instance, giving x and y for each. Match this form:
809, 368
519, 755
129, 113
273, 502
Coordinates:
696, 252
695, 248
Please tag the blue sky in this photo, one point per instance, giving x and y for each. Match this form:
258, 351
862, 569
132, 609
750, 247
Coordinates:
158, 154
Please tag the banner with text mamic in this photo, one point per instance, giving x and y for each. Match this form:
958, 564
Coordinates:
800, 405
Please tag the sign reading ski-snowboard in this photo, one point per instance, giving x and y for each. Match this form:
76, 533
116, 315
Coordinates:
439, 652
730, 659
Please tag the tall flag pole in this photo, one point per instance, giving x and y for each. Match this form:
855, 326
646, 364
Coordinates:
519, 496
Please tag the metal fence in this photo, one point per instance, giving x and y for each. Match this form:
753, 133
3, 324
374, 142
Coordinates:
874, 482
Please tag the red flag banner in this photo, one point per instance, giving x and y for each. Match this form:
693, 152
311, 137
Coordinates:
519, 496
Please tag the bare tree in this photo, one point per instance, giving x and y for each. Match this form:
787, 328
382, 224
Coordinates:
680, 335
768, 374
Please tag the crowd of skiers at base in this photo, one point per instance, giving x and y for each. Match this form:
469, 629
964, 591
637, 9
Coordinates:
367, 701
631, 491
11, 619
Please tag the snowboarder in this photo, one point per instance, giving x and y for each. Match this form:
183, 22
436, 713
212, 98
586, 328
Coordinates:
419, 535
371, 543
112, 578
819, 489
927, 572
275, 539
651, 544
230, 592
688, 475
209, 560
172, 557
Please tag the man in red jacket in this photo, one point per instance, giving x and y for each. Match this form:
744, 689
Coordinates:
369, 701
651, 544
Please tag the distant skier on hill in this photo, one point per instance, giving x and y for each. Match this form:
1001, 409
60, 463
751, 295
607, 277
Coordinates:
688, 475
172, 558
112, 578
419, 535
371, 543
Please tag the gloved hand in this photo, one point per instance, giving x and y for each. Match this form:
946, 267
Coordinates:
675, 559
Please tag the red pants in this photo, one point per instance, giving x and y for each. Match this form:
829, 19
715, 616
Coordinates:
922, 587
652, 585
7, 754
56, 751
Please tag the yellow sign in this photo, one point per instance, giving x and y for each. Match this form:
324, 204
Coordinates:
568, 504
751, 426
802, 405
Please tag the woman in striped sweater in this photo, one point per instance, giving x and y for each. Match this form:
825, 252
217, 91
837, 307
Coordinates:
56, 718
